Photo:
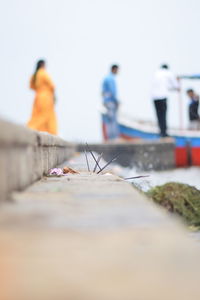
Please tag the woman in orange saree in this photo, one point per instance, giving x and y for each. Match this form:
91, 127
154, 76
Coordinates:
43, 115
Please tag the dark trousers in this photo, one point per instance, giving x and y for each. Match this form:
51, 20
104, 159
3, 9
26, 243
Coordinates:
161, 112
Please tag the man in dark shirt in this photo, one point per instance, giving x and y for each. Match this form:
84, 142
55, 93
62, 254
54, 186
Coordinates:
193, 110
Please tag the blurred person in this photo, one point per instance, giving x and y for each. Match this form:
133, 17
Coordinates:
43, 115
193, 110
163, 82
111, 103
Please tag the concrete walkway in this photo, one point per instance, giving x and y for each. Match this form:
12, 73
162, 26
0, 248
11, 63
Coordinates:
93, 237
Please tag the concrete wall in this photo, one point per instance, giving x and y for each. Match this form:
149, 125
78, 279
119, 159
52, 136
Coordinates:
26, 155
144, 155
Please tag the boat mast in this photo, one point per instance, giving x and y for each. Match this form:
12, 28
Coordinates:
180, 107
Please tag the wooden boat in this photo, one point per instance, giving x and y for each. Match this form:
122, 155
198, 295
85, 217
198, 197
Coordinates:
187, 142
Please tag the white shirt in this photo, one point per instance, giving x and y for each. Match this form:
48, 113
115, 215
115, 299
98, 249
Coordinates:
163, 82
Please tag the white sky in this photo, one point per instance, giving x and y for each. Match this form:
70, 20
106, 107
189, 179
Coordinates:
80, 39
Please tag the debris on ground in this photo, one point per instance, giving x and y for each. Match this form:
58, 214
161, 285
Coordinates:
56, 172
179, 198
62, 172
67, 170
97, 169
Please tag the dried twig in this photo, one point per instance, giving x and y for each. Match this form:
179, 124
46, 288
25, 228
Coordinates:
113, 159
136, 177
93, 157
98, 160
87, 161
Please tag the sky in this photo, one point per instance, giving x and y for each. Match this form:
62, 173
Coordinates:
80, 39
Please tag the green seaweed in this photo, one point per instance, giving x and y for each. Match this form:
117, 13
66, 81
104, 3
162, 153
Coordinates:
178, 198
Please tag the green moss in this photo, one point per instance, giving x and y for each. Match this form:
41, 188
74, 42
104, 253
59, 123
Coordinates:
178, 198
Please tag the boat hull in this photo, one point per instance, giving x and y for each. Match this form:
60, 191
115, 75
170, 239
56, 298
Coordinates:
187, 148
187, 143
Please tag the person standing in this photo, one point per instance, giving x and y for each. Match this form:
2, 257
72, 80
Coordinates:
193, 110
163, 82
111, 104
43, 115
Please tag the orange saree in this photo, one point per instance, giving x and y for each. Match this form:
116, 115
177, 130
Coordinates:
43, 115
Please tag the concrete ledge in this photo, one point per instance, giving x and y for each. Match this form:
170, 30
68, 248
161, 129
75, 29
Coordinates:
144, 155
26, 155
93, 237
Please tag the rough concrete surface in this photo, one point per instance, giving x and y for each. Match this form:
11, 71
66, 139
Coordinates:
90, 237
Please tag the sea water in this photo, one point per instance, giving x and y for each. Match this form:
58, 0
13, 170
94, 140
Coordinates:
189, 176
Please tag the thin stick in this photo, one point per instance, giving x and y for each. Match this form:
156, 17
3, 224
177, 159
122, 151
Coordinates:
93, 157
136, 177
180, 109
98, 159
87, 161
113, 159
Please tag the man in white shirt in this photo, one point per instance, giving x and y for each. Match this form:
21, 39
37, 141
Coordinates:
163, 82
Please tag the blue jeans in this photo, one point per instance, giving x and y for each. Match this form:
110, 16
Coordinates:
112, 128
